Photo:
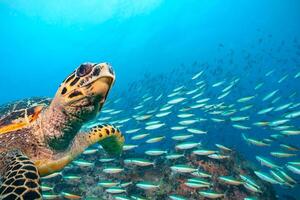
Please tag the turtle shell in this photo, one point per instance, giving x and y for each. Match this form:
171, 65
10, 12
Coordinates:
19, 114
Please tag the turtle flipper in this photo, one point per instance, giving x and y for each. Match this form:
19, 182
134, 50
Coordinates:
20, 178
109, 137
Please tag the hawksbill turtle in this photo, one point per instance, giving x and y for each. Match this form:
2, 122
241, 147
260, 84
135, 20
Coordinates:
40, 136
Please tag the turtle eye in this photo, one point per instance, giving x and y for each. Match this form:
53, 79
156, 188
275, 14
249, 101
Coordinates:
84, 69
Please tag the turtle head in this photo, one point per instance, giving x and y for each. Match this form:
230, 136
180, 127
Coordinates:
83, 93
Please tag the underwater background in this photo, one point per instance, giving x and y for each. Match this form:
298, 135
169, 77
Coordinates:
240, 57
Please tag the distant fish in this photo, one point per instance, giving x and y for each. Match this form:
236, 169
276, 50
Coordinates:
113, 170
155, 139
147, 185
154, 126
210, 194
183, 168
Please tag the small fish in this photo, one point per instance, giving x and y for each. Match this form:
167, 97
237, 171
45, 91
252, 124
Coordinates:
196, 185
90, 151
187, 145
246, 108
290, 147
282, 154
222, 147
154, 126
53, 175
293, 168
155, 139
132, 130
217, 120
210, 194
230, 180
187, 122
107, 184
162, 114
265, 111
152, 122
128, 147
183, 168
138, 162
115, 190
140, 136
286, 176
203, 152
283, 78
293, 115
266, 162
113, 170
203, 100
270, 72
278, 176
71, 178
182, 137
270, 95
278, 122
199, 180
217, 156
185, 115
223, 95
245, 99
70, 196
238, 119
197, 75
241, 127
261, 124
174, 156
201, 174
125, 184
249, 180
252, 188
282, 107
147, 185
140, 118
254, 141
166, 108
155, 152
218, 84
51, 196
176, 197
46, 188
196, 131
290, 132
258, 86
104, 160
177, 100
83, 163
266, 177
177, 128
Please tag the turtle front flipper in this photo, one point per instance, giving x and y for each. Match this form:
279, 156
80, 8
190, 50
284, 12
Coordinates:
19, 176
110, 138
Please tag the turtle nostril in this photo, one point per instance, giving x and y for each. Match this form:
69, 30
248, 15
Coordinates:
84, 69
96, 71
111, 70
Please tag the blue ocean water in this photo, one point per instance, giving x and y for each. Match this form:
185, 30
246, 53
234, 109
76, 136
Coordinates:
157, 46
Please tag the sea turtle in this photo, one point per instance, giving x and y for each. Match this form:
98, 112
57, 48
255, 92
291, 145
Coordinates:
41, 136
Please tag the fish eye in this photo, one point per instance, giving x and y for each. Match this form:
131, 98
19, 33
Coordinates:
84, 69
